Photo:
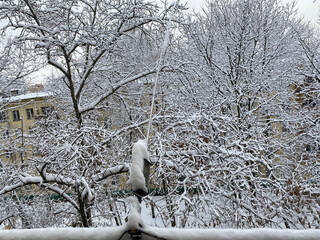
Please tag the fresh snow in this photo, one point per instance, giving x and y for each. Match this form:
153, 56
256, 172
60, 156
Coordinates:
26, 96
233, 234
111, 233
134, 217
139, 153
114, 233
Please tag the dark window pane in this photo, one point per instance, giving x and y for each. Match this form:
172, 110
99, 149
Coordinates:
16, 115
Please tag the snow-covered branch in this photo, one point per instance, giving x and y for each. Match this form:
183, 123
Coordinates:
114, 89
110, 172
7, 189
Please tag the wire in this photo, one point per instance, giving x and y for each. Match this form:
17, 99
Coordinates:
163, 50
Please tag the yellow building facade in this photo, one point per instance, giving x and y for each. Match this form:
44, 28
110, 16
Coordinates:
18, 115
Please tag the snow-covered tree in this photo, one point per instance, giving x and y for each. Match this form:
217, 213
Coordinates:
95, 48
225, 148
233, 124
14, 67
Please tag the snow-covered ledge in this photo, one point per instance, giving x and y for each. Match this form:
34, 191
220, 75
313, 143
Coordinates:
114, 233
111, 233
233, 234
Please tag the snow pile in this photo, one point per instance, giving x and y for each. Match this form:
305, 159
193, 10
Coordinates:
139, 153
134, 217
233, 234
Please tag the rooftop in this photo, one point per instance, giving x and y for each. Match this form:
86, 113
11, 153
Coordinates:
25, 96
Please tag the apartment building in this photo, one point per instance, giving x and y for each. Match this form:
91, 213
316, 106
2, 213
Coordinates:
18, 114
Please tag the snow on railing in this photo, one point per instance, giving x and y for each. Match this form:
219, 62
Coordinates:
136, 229
148, 232
110, 233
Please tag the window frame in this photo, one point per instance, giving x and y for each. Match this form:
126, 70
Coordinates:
30, 113
47, 110
16, 115
9, 153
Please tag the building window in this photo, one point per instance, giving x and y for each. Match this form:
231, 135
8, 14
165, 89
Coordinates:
5, 133
36, 151
285, 127
46, 110
310, 103
29, 113
9, 153
31, 130
16, 115
3, 116
310, 147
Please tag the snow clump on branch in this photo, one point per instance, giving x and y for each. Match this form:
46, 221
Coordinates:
139, 154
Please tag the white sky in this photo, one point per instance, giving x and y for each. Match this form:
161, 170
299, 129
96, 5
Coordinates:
307, 8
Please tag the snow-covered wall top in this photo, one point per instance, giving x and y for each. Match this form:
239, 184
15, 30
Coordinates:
114, 233
234, 234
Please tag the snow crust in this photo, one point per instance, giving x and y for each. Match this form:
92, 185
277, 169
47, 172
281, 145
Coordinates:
139, 153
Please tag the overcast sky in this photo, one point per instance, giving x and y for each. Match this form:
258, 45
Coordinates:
308, 8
